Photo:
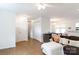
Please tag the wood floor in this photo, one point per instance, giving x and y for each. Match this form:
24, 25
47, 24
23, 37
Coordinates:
31, 47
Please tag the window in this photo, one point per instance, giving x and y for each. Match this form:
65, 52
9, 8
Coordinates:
60, 30
77, 26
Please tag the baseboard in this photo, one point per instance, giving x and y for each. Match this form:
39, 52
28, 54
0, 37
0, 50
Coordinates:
8, 47
21, 40
38, 40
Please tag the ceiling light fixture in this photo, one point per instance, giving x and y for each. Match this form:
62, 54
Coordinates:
41, 6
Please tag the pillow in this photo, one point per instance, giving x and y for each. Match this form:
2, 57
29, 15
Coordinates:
64, 41
74, 43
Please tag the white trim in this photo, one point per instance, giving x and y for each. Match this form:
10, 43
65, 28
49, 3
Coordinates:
8, 47
21, 40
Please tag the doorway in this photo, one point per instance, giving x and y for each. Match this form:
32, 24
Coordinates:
29, 29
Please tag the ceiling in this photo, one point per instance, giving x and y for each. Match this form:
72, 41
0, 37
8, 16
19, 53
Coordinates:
60, 10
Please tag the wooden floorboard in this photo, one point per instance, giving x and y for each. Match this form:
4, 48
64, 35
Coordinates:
31, 47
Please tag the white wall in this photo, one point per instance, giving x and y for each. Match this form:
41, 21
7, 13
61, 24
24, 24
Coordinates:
21, 28
7, 29
45, 24
40, 26
67, 23
36, 29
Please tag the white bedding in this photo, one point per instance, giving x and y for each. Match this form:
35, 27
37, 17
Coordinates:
52, 48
